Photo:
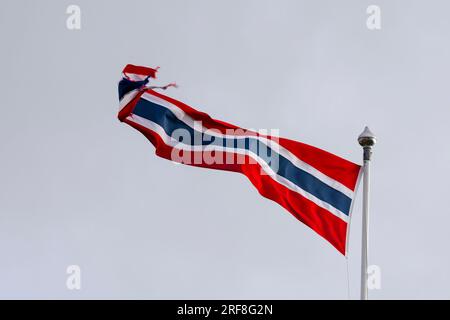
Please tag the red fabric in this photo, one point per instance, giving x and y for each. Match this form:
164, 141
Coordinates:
325, 223
143, 71
333, 229
333, 166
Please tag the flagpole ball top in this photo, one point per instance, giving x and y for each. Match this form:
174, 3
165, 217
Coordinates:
367, 138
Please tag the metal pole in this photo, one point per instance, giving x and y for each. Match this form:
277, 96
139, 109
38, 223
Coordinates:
367, 140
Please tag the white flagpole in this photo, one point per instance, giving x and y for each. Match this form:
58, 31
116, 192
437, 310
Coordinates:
367, 140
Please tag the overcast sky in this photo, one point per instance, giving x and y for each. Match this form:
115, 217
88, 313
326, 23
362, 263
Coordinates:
80, 188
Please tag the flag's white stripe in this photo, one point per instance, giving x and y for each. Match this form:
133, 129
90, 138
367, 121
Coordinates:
126, 99
181, 115
281, 180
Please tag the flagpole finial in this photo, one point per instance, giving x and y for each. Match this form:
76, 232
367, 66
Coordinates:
367, 138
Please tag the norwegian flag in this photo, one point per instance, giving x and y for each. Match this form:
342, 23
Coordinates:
315, 186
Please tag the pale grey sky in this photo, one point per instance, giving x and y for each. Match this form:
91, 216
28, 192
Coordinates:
78, 187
